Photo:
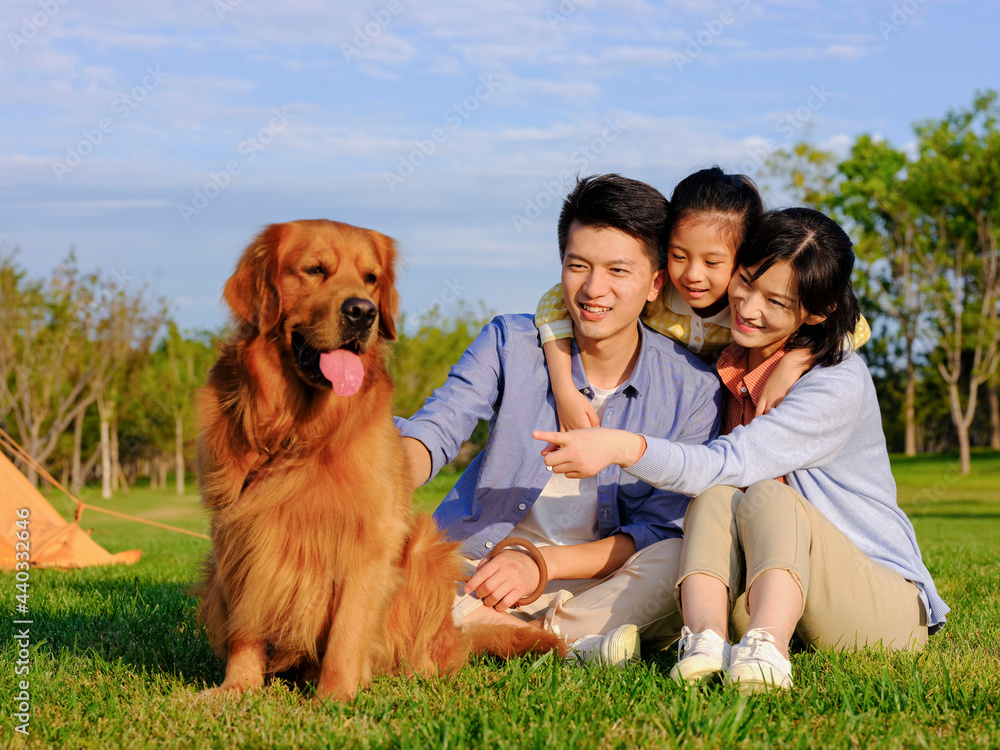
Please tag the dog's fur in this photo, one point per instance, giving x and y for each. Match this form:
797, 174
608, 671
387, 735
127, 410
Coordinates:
318, 563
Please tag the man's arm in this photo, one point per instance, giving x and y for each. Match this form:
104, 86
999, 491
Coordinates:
512, 574
433, 436
418, 462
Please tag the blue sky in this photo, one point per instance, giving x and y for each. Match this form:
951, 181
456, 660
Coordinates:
157, 139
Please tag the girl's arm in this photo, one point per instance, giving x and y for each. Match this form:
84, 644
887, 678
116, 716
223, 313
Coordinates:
556, 330
797, 363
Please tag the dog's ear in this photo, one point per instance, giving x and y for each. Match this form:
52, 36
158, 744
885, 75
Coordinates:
250, 291
388, 297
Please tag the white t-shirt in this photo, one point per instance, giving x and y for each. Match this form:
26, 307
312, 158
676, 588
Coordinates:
566, 511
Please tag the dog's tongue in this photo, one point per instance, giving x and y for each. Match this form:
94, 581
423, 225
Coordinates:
343, 369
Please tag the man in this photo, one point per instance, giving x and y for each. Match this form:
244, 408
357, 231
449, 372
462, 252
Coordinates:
611, 543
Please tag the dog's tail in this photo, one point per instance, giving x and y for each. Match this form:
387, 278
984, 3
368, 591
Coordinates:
505, 641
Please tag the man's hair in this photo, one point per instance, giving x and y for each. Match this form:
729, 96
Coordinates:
615, 202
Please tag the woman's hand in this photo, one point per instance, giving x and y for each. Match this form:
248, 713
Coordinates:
583, 453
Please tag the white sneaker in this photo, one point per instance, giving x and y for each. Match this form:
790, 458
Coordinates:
757, 665
700, 655
617, 648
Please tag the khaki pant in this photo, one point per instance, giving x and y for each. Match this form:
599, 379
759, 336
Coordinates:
641, 593
850, 601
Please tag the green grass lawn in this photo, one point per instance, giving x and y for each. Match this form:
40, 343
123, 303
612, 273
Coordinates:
117, 658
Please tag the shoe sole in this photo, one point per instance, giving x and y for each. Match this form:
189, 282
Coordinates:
757, 681
695, 672
625, 642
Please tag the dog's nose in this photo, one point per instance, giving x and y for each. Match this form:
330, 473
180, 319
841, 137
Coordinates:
359, 313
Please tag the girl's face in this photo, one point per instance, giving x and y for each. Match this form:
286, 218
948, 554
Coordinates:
700, 264
766, 312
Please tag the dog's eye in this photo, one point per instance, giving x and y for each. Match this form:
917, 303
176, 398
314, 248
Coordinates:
315, 271
371, 278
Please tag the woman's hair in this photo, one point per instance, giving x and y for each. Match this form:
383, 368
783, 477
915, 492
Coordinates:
612, 201
822, 258
730, 202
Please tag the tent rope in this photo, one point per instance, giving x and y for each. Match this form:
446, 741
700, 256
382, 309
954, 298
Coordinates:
8, 442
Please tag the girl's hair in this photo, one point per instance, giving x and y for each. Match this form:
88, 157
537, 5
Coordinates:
822, 258
729, 201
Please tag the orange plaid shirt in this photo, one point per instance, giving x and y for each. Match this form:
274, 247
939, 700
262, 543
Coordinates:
743, 387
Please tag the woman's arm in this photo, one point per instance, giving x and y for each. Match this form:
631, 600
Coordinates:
811, 426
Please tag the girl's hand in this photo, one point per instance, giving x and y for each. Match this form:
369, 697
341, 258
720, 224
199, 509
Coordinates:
787, 372
576, 412
583, 453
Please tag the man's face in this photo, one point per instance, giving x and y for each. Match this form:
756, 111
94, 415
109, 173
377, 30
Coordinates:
607, 278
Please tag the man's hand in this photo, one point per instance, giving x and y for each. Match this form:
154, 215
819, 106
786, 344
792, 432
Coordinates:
504, 579
583, 453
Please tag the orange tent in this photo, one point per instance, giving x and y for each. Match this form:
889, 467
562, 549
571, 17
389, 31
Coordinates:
52, 542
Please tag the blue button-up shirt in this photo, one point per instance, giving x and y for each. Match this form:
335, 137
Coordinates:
502, 377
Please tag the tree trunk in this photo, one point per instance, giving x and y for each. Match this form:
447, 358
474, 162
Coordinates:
115, 465
164, 468
89, 466
103, 414
179, 463
994, 415
154, 469
910, 413
75, 478
961, 429
33, 449
910, 409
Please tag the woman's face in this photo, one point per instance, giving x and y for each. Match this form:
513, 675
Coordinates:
767, 311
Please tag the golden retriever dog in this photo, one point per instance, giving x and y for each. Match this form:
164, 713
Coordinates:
318, 564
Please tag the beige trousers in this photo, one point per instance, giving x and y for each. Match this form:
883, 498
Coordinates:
850, 601
641, 593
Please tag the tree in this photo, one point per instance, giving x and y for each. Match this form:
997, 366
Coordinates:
63, 341
873, 196
187, 361
954, 182
866, 193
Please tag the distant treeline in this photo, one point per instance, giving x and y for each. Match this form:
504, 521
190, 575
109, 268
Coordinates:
97, 382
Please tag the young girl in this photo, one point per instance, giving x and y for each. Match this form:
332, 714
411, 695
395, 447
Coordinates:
712, 213
826, 552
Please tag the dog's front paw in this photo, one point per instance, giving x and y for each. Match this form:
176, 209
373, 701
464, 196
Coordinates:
227, 690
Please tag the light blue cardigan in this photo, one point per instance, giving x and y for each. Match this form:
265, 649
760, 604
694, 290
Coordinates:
826, 438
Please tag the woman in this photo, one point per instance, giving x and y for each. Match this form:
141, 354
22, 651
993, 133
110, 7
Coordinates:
816, 540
